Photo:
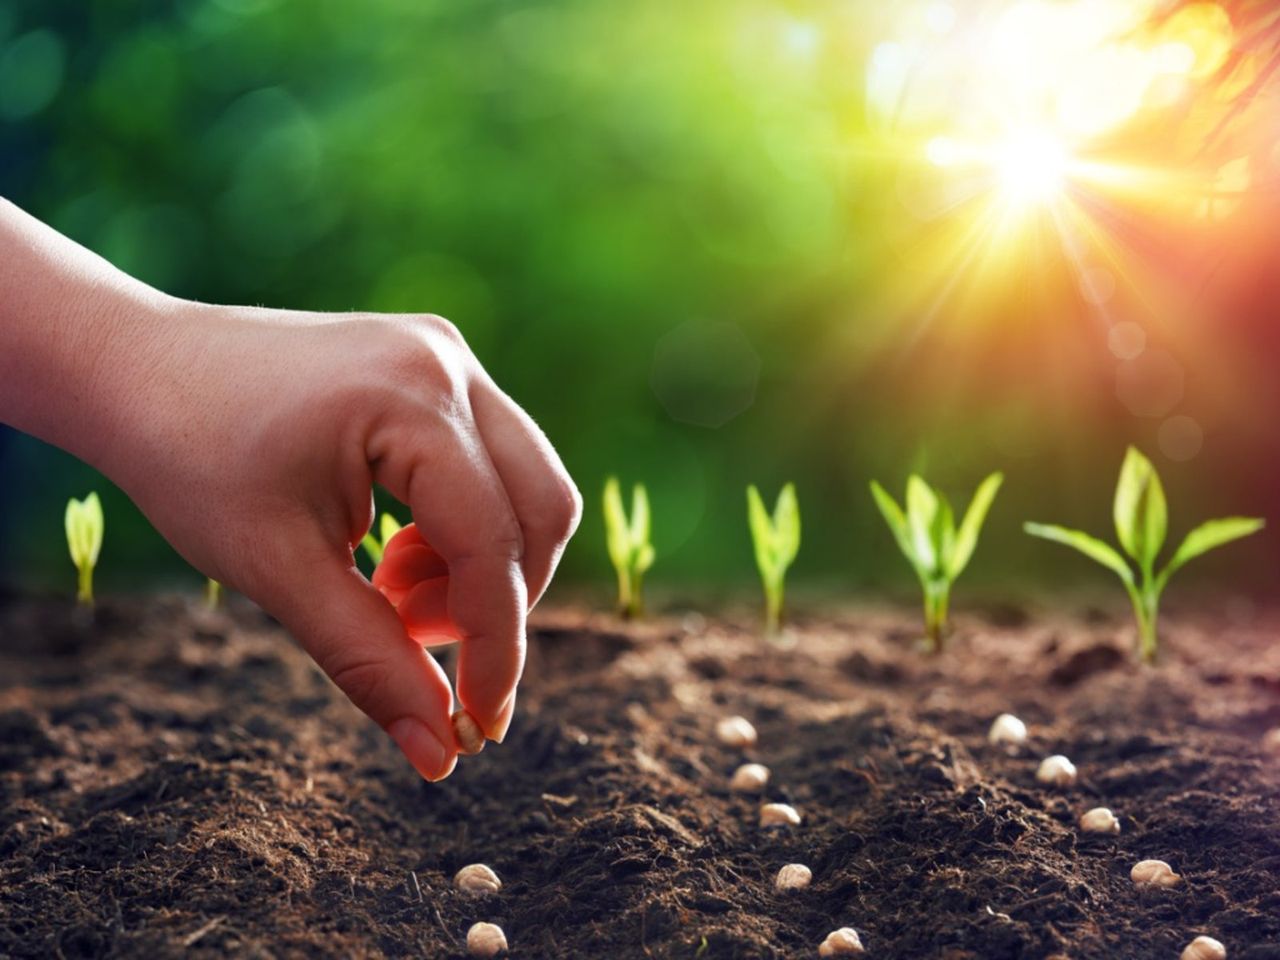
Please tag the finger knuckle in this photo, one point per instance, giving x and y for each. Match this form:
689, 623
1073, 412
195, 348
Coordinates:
364, 681
561, 511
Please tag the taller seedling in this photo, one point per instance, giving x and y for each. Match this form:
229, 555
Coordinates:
777, 541
628, 542
85, 525
938, 552
1141, 516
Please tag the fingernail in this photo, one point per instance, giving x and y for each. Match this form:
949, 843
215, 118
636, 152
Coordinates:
424, 750
502, 723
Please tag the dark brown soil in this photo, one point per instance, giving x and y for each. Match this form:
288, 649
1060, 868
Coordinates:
174, 784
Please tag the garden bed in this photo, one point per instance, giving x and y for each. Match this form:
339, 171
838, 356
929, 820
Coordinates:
177, 783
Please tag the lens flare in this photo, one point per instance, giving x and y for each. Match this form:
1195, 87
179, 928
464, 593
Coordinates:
1032, 168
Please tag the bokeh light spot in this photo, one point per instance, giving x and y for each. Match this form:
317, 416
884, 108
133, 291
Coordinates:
1150, 385
1181, 438
31, 70
1127, 340
705, 372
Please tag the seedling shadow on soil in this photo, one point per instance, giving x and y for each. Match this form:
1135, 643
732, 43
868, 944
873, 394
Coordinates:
175, 782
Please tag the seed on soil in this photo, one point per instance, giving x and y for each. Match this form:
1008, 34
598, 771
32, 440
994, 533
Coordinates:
1057, 770
1154, 873
1099, 820
467, 733
794, 876
750, 778
736, 732
1271, 740
779, 815
486, 940
1204, 948
1007, 728
841, 943
477, 880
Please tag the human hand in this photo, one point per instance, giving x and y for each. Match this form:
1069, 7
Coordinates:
252, 439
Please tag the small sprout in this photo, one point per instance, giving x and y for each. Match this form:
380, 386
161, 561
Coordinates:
84, 524
1099, 820
1204, 948
477, 880
212, 594
777, 541
841, 943
1141, 517
927, 535
1271, 741
1007, 728
794, 876
467, 733
628, 541
750, 778
736, 732
486, 940
1057, 771
779, 815
1154, 873
388, 527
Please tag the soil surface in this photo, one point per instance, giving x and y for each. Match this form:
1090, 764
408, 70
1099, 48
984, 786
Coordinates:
174, 783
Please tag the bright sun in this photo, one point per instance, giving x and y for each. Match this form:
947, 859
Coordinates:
1032, 168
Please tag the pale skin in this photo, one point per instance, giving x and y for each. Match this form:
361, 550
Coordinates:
252, 438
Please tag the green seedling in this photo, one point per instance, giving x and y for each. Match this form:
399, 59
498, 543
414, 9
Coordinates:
628, 541
212, 593
777, 541
84, 523
388, 527
938, 551
1141, 518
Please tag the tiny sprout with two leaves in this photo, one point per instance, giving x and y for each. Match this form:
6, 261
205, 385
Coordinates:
84, 524
388, 527
1141, 517
630, 551
777, 541
938, 550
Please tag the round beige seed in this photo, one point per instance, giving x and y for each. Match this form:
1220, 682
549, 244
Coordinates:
467, 733
794, 876
750, 778
779, 815
477, 880
736, 732
486, 940
841, 943
1007, 728
1204, 948
1099, 820
1057, 771
1271, 740
1154, 873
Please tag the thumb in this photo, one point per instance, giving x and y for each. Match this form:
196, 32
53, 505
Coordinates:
355, 637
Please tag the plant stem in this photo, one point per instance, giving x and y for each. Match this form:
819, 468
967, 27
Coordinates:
772, 610
1146, 606
937, 598
84, 593
626, 604
212, 593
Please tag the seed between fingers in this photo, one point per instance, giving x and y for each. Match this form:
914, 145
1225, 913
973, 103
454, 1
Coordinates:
467, 733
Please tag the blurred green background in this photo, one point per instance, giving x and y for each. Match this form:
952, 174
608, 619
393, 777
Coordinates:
678, 234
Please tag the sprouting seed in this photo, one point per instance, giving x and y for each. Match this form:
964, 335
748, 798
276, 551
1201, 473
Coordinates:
388, 527
84, 524
477, 880
627, 539
750, 778
841, 943
1057, 771
486, 940
212, 593
1007, 728
466, 732
938, 551
793, 876
736, 732
1204, 948
776, 540
1141, 517
779, 815
1154, 873
1099, 820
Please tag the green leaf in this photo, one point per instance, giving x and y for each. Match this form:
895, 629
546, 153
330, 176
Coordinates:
1209, 535
617, 531
922, 508
84, 525
389, 526
896, 520
1140, 510
942, 534
644, 558
762, 533
639, 516
967, 537
786, 526
1091, 547
372, 547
